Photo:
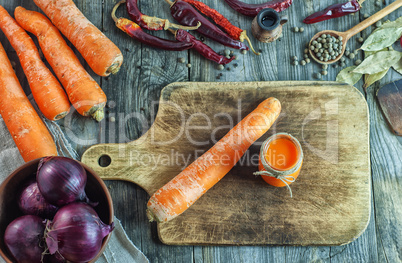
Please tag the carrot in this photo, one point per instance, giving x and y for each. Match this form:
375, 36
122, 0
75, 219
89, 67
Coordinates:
82, 90
46, 90
101, 54
30, 134
183, 190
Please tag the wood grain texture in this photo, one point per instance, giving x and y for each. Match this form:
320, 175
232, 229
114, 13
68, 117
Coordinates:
135, 89
192, 116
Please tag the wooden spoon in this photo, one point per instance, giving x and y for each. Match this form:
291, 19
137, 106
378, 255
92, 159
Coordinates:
354, 30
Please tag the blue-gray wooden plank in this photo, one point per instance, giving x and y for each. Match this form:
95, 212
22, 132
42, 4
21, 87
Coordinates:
133, 94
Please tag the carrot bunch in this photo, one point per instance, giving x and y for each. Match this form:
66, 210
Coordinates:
46, 90
27, 129
82, 90
101, 54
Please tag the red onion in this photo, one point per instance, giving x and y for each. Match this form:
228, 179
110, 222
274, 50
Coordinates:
76, 232
55, 258
61, 180
24, 238
32, 202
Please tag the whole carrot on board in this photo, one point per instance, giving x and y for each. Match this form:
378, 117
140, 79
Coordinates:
46, 90
183, 190
101, 54
82, 90
29, 133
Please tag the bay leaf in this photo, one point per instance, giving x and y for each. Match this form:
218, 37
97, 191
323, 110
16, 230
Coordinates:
371, 78
382, 38
388, 24
396, 23
347, 75
369, 53
398, 66
378, 62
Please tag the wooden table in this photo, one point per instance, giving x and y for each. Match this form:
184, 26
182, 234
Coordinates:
132, 94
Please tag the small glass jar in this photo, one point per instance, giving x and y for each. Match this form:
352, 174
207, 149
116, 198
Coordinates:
281, 158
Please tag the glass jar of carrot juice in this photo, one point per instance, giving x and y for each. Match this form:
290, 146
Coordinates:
280, 161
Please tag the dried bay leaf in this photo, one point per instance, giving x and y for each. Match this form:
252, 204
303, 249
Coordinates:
370, 79
369, 53
347, 75
396, 23
378, 62
382, 38
398, 66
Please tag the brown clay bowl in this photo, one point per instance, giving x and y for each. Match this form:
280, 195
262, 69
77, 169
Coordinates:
96, 191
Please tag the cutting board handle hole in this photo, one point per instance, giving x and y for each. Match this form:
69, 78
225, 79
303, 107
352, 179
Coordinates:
104, 160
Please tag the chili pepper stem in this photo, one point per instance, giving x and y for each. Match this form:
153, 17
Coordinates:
360, 2
115, 19
172, 31
243, 36
167, 24
169, 2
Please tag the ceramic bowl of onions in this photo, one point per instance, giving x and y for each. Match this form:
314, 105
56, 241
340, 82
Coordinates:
54, 209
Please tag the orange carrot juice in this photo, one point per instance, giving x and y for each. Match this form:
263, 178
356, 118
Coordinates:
281, 158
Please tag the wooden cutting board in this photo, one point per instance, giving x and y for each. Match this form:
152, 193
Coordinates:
331, 197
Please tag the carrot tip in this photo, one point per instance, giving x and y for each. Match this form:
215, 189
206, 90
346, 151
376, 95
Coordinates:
114, 68
98, 115
60, 116
150, 216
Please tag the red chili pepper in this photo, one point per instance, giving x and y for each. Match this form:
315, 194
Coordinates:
135, 31
200, 47
253, 9
150, 22
333, 11
232, 30
186, 15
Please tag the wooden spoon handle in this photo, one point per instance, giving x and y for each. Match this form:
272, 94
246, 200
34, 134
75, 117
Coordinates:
374, 18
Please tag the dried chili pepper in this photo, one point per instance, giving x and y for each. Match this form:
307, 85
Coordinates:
333, 11
186, 15
200, 47
135, 31
150, 22
232, 30
253, 9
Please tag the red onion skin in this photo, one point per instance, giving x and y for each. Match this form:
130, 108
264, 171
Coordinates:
32, 202
61, 180
24, 238
76, 232
55, 258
